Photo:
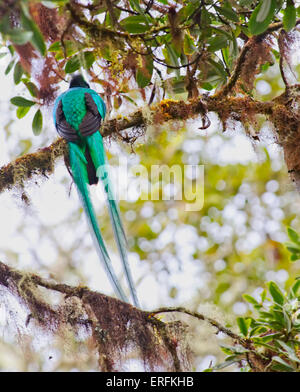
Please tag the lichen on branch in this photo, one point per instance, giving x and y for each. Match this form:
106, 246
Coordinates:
42, 162
117, 328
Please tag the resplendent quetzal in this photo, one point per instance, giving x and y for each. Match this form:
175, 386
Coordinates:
78, 114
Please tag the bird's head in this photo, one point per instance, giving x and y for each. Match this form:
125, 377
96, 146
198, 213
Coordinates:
78, 81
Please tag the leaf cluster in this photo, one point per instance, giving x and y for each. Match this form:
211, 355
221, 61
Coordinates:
270, 341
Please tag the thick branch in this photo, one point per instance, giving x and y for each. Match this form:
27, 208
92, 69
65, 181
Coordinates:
42, 162
8, 274
11, 277
108, 319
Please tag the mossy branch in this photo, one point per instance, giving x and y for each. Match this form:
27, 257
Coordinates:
116, 327
9, 275
113, 323
42, 162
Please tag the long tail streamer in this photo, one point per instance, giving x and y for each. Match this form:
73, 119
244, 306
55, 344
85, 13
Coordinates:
80, 175
95, 145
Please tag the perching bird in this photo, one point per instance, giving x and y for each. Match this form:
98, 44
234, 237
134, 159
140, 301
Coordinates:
78, 114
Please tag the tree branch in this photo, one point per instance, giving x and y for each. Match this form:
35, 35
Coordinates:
112, 322
114, 325
42, 162
99, 311
200, 316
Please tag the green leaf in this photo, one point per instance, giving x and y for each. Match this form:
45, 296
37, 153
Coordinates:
37, 123
257, 330
175, 85
19, 36
88, 60
287, 321
129, 99
33, 90
144, 73
37, 39
228, 12
70, 48
18, 72
5, 23
135, 24
289, 16
11, 49
188, 44
108, 19
284, 365
263, 295
135, 4
9, 67
295, 257
20, 101
85, 59
186, 11
293, 248
266, 338
293, 235
243, 325
276, 293
22, 111
266, 315
262, 16
220, 31
295, 287
238, 349
225, 364
172, 57
217, 42
73, 64
289, 351
260, 342
55, 47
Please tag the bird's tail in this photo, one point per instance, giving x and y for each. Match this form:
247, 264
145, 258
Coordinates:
80, 175
95, 145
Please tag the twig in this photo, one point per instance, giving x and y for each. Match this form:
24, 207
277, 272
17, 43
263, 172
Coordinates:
200, 316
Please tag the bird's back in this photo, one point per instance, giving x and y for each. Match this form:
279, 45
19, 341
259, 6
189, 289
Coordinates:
74, 105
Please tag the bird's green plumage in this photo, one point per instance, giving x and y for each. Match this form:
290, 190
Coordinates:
98, 155
79, 171
74, 109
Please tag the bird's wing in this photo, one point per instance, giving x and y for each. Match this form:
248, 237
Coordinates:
64, 129
92, 120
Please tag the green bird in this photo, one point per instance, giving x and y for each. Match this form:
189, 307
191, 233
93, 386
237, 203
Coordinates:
78, 113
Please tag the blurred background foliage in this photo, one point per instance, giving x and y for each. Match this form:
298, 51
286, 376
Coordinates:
205, 260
